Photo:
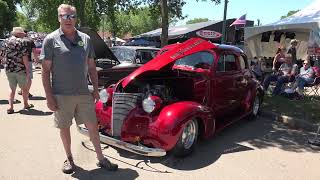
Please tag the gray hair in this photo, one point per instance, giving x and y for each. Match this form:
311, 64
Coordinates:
66, 6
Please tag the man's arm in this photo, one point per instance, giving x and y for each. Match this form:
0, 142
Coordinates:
46, 81
93, 76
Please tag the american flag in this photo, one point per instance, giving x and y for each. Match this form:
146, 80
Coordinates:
240, 21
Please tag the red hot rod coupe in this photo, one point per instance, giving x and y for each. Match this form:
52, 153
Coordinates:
193, 90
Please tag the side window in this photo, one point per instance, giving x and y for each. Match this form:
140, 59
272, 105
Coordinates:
243, 63
145, 56
202, 60
226, 63
230, 63
221, 64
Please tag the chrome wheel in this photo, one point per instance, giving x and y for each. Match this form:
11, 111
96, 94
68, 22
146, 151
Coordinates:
189, 135
256, 106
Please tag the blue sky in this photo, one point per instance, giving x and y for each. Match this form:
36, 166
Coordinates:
267, 11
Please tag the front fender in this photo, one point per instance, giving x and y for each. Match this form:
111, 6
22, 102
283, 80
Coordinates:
172, 119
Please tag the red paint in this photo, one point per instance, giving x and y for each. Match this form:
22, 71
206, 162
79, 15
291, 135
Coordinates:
189, 47
218, 99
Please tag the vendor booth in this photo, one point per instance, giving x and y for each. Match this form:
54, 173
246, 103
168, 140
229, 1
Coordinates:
210, 30
263, 41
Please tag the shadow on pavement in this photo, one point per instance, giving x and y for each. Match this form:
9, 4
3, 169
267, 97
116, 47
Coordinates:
242, 136
7, 102
102, 174
37, 98
34, 112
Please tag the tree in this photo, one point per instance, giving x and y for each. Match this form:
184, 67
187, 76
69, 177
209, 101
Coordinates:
23, 21
173, 7
289, 14
45, 12
7, 15
197, 20
135, 22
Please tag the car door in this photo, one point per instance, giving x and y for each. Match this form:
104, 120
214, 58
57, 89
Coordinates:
224, 97
244, 82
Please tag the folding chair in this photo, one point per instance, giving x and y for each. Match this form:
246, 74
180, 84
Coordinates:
314, 87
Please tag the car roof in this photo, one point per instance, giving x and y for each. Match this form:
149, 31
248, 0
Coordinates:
229, 48
135, 47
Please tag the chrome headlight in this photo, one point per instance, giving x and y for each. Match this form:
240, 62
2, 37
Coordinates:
104, 95
151, 104
148, 105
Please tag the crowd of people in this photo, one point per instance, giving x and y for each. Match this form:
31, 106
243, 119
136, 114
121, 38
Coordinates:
286, 70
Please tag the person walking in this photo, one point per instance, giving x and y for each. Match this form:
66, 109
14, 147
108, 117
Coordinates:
68, 56
17, 66
30, 45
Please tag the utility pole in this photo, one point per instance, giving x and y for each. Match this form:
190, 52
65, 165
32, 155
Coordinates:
223, 39
103, 17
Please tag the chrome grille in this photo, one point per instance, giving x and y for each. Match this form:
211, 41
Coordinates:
122, 104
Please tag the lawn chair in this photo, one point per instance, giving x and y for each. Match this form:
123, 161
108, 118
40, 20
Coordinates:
314, 87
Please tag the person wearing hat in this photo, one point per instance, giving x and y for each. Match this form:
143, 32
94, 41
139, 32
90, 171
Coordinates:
30, 45
17, 66
293, 50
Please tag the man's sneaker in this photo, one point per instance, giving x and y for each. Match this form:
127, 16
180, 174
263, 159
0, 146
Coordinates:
68, 166
105, 163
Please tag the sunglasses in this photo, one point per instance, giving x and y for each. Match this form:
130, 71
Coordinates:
68, 16
305, 63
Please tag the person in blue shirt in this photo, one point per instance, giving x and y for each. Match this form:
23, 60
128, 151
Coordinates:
306, 76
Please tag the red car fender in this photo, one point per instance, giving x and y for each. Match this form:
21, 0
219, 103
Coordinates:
103, 114
173, 118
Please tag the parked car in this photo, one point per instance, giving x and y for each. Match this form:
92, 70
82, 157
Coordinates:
117, 62
192, 90
128, 59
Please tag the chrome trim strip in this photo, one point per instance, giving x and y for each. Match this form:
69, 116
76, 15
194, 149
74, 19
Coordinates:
142, 150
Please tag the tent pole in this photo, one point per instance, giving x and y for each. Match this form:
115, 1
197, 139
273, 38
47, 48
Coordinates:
223, 39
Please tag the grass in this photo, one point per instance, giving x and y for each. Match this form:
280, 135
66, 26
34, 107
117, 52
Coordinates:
307, 109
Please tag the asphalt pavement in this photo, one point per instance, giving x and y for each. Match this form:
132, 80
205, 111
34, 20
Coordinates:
263, 149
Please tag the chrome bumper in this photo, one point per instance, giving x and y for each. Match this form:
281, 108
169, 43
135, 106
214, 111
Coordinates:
142, 150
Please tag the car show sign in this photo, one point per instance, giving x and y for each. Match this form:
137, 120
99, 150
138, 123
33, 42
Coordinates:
208, 34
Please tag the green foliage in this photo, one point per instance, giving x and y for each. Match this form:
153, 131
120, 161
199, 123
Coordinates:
7, 15
135, 21
289, 14
197, 20
46, 16
23, 21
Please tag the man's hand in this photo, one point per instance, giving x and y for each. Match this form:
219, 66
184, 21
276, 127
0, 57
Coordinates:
96, 95
52, 103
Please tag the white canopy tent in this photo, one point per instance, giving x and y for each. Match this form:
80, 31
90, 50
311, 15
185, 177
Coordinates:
305, 24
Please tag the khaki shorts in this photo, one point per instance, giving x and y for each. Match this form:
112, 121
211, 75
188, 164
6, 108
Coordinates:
19, 78
80, 107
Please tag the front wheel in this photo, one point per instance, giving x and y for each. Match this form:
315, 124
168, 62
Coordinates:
187, 140
255, 109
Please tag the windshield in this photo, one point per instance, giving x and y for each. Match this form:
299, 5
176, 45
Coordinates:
202, 60
124, 54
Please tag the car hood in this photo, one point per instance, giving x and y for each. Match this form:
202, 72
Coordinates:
101, 49
186, 48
